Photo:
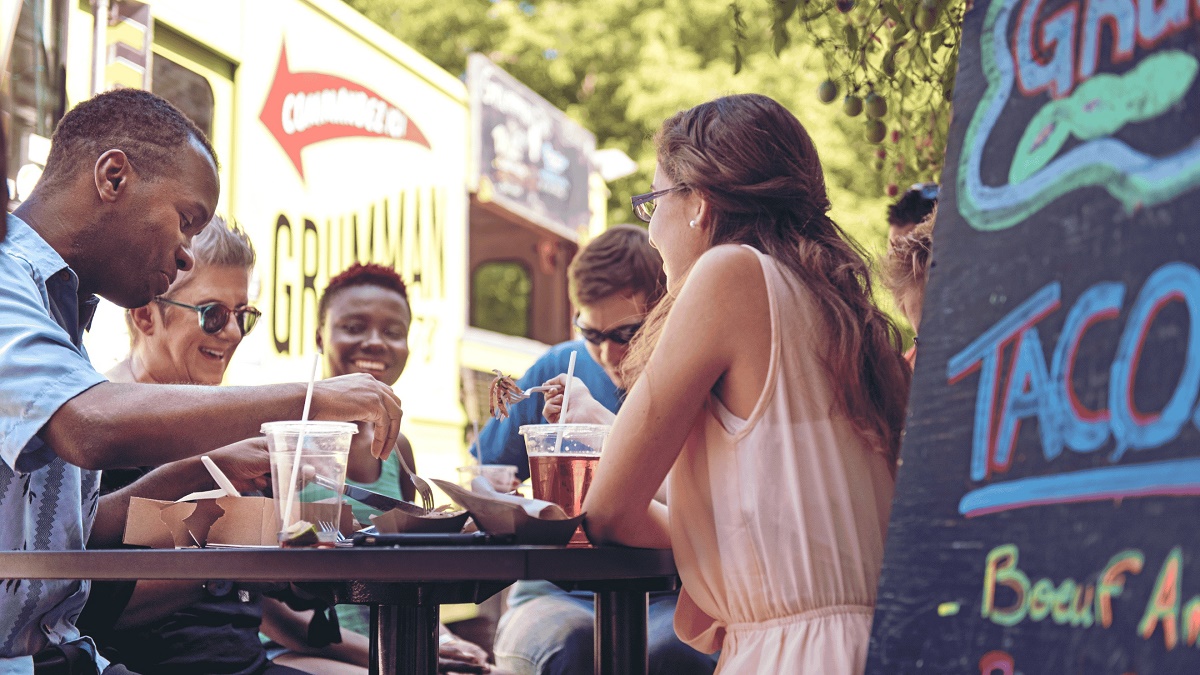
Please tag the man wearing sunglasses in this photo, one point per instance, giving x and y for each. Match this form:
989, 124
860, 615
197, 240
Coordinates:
613, 282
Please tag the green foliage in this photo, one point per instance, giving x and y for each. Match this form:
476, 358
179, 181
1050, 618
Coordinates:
501, 296
621, 67
904, 53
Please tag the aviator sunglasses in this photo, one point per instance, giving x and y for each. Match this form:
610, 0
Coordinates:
214, 315
620, 335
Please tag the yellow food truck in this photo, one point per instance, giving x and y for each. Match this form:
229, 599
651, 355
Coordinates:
339, 143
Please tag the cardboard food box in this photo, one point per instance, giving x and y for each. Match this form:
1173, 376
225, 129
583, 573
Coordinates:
204, 520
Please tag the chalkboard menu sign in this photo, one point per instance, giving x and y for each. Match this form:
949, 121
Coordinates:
1047, 517
530, 157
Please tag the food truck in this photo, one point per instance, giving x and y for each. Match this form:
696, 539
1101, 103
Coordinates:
338, 143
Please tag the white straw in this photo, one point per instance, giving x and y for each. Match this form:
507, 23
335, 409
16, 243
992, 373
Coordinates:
471, 401
291, 495
562, 414
478, 448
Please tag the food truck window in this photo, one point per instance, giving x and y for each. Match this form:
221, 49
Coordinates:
189, 91
501, 293
199, 82
34, 87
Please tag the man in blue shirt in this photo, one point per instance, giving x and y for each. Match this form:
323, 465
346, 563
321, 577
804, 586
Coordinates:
128, 182
614, 281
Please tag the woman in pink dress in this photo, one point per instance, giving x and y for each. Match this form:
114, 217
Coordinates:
771, 390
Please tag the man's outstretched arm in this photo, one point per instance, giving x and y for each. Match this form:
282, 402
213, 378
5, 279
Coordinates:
115, 425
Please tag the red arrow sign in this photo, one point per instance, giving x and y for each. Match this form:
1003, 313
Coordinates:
307, 108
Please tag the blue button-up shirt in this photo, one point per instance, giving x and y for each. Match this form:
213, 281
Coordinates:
45, 503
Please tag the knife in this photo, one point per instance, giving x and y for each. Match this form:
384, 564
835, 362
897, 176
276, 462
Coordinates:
373, 499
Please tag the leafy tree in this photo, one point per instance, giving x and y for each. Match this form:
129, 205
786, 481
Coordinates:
501, 298
620, 67
891, 63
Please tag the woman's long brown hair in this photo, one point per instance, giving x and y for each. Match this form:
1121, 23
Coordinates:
758, 171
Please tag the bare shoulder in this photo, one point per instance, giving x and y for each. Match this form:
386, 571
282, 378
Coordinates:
727, 271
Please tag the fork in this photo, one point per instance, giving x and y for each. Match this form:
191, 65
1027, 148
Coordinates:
423, 488
517, 397
328, 527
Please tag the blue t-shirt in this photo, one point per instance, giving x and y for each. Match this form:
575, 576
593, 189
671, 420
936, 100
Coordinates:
503, 444
500, 439
45, 503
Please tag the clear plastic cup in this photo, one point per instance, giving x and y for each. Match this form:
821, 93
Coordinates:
316, 488
561, 471
502, 477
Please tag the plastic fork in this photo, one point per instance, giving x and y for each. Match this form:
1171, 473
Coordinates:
517, 397
422, 486
328, 527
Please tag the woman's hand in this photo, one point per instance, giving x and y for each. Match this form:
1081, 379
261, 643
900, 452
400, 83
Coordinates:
582, 408
246, 463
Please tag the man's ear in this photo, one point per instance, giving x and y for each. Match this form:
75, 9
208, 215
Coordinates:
320, 341
112, 175
143, 319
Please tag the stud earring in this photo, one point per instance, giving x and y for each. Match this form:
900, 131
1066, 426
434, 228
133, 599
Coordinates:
692, 224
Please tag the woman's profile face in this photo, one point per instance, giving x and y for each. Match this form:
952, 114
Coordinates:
176, 349
366, 331
671, 232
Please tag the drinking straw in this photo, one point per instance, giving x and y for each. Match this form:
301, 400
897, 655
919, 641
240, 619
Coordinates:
562, 414
478, 448
471, 402
291, 495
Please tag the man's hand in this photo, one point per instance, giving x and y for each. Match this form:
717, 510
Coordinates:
361, 398
246, 463
456, 655
582, 408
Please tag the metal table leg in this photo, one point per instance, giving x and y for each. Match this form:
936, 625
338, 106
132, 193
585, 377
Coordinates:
621, 624
404, 639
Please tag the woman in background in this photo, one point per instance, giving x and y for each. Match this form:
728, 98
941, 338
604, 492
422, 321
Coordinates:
770, 388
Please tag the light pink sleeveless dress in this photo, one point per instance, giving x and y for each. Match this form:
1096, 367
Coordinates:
778, 521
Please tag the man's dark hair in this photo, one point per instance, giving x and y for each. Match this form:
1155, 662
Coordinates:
147, 128
621, 260
913, 206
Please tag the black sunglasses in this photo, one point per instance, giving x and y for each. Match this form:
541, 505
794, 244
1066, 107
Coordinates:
643, 205
620, 335
214, 316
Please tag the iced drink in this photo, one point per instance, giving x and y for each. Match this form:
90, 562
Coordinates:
315, 482
502, 477
563, 477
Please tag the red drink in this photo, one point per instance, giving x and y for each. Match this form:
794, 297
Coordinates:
564, 479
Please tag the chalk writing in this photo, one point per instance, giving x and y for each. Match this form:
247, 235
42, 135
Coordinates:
1055, 55
1031, 389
